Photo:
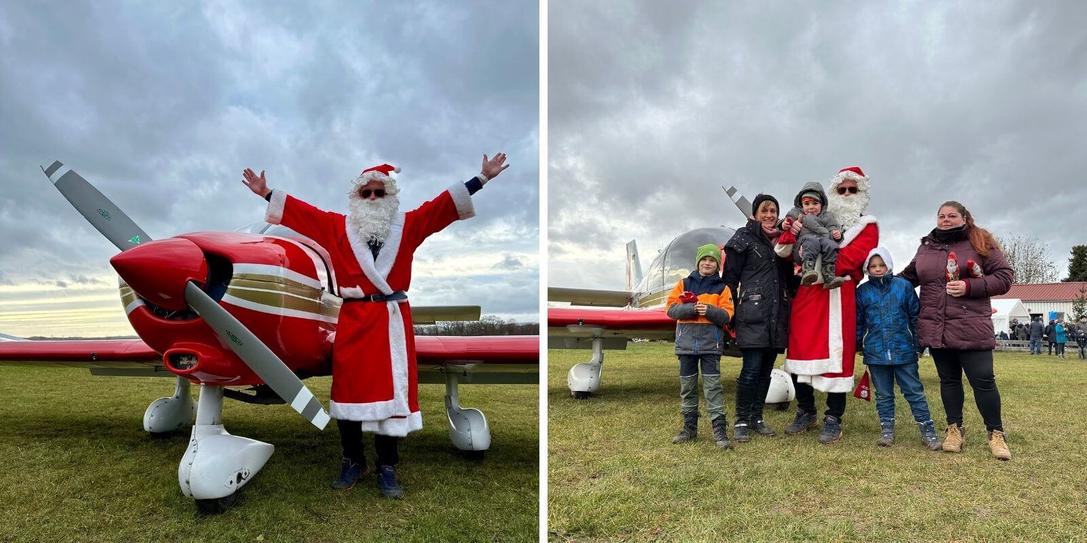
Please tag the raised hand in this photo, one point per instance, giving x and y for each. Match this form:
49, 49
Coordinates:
492, 167
256, 183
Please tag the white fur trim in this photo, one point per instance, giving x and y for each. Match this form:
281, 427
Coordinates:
366, 260
397, 427
351, 292
463, 201
363, 411
388, 181
856, 229
784, 251
274, 214
386, 257
827, 384
862, 181
398, 354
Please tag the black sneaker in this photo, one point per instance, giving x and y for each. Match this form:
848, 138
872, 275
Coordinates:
832, 430
760, 427
803, 421
741, 433
350, 473
386, 481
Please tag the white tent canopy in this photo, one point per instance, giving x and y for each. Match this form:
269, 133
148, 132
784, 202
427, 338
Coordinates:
1006, 310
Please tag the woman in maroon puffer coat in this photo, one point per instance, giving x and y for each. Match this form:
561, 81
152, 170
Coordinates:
959, 266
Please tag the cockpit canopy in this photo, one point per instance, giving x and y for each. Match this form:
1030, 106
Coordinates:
677, 259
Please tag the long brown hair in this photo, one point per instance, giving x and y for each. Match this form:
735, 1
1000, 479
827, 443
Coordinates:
980, 239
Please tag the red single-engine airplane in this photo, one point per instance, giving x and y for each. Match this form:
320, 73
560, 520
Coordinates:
231, 309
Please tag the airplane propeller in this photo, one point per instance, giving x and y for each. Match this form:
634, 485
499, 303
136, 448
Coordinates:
123, 232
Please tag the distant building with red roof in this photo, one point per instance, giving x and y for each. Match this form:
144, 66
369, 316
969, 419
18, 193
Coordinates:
1044, 298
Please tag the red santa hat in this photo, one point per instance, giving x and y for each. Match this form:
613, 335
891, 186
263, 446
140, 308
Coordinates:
381, 172
849, 172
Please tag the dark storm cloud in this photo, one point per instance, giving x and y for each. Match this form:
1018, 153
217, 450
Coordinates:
162, 105
653, 107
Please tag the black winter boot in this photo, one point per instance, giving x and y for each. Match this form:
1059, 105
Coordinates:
690, 428
720, 433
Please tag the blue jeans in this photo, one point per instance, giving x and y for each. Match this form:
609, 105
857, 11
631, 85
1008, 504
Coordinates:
1035, 346
753, 383
909, 381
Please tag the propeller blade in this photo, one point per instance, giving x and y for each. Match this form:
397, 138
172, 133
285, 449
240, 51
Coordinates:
257, 356
103, 214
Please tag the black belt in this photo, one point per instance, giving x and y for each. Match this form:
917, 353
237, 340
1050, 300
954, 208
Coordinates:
379, 297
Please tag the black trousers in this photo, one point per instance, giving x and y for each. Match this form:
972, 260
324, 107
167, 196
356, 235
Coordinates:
805, 399
387, 447
978, 367
753, 383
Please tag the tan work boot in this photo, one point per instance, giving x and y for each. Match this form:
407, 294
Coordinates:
998, 446
955, 439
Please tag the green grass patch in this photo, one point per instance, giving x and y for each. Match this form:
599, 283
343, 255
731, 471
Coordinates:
75, 465
613, 473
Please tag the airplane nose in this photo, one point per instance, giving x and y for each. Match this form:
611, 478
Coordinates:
159, 270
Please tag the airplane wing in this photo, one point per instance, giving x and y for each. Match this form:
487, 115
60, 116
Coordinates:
102, 356
590, 297
480, 359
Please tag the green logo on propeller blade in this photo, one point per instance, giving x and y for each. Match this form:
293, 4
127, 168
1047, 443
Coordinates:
233, 338
135, 240
105, 214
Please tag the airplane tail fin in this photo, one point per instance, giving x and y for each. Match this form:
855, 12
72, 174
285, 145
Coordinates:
741, 202
634, 266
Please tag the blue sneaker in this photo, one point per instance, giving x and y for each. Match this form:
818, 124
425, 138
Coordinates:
386, 481
350, 473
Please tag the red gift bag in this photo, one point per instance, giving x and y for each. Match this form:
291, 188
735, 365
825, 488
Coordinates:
863, 389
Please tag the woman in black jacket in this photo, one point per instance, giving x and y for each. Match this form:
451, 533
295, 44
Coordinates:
762, 285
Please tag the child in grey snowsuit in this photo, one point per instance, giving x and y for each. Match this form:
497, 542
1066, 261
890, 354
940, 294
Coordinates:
818, 236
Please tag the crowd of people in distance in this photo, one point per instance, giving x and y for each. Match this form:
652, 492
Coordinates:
1056, 335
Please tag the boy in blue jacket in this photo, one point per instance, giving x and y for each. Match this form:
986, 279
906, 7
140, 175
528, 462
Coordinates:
887, 308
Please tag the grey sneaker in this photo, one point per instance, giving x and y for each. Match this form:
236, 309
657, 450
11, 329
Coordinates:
928, 435
803, 421
832, 430
887, 433
720, 433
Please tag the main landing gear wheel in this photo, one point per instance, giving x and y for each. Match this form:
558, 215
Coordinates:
216, 506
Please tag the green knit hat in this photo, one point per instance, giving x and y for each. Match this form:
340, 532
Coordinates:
709, 250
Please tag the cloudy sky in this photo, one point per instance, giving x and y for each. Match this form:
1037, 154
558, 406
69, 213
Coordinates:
654, 105
161, 105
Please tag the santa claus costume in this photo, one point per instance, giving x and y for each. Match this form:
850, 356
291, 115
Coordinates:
373, 361
822, 338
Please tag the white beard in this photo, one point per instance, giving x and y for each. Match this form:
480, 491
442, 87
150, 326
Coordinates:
371, 219
848, 209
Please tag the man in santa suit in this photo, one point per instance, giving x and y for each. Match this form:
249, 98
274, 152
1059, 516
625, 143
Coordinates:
374, 386
822, 326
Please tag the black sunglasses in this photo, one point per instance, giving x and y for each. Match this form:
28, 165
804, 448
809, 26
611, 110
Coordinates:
850, 190
365, 193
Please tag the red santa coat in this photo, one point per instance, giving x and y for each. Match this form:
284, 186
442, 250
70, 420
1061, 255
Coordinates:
374, 376
822, 325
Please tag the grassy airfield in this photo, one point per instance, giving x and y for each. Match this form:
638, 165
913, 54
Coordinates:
75, 465
614, 474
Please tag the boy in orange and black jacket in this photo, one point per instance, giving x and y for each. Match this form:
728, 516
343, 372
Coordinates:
701, 304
